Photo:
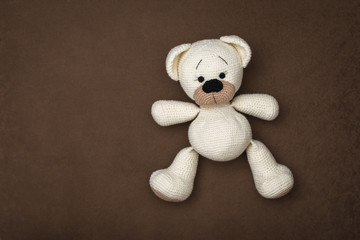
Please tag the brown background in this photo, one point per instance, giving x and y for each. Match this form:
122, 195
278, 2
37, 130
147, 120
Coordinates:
78, 143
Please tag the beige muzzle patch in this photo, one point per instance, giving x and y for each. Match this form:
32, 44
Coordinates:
225, 95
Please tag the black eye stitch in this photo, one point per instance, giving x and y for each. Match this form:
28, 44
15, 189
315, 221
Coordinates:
201, 79
222, 75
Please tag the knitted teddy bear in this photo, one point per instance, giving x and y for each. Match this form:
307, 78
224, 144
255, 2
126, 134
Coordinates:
210, 72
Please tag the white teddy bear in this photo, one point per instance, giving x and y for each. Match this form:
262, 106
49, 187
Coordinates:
210, 72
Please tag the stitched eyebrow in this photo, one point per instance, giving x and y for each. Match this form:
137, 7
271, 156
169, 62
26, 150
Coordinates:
223, 60
198, 64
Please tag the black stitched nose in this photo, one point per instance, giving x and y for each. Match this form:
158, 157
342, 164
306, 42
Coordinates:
212, 85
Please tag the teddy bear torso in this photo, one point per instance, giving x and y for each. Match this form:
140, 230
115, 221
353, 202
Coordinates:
220, 133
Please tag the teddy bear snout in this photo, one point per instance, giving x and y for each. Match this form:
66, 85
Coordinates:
212, 85
214, 91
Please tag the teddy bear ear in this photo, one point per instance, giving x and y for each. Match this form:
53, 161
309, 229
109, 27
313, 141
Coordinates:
173, 59
241, 47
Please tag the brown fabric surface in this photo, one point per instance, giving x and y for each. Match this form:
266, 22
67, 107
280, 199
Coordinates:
78, 143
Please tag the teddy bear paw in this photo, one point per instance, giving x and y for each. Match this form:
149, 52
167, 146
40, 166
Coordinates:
275, 185
170, 187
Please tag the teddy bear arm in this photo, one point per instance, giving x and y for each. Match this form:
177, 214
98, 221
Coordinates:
169, 112
262, 106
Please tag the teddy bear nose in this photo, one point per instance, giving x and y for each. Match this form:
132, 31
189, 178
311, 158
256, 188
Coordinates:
212, 85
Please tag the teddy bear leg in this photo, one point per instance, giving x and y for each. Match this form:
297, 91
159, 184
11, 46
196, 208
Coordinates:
272, 180
175, 183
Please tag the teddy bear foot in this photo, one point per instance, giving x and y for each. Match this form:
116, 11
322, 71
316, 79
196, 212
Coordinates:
275, 185
175, 183
170, 187
163, 196
272, 180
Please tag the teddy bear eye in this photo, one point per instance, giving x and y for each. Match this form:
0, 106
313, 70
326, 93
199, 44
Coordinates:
201, 79
222, 75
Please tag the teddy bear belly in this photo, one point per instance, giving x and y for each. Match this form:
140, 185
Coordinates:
220, 138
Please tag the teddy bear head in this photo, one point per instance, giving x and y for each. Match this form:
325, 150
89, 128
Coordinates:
209, 71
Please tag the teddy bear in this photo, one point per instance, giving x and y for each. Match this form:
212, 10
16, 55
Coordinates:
210, 72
